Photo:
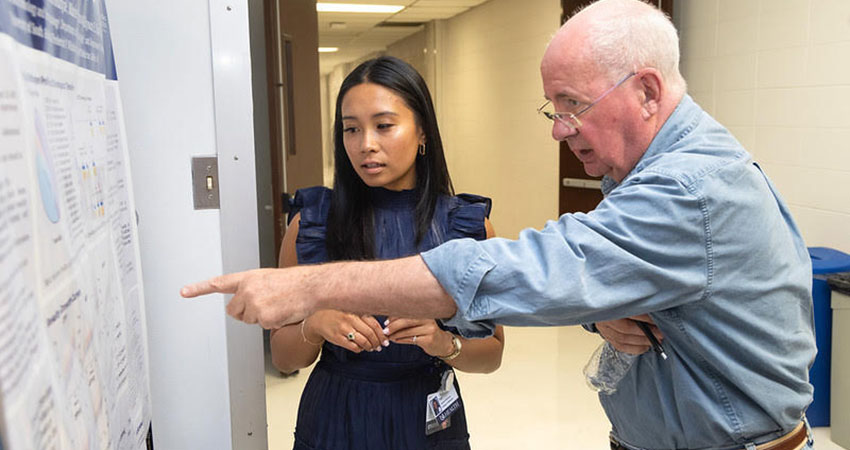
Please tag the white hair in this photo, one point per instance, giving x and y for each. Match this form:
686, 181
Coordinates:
627, 35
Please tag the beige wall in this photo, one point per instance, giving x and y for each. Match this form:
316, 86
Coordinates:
413, 50
777, 74
489, 90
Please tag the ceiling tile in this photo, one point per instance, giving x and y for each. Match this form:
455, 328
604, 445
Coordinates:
371, 2
353, 17
428, 12
361, 35
451, 3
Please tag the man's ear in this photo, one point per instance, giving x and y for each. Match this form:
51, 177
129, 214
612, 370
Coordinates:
652, 88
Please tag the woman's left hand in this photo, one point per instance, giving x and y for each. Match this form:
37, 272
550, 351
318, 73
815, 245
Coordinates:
422, 332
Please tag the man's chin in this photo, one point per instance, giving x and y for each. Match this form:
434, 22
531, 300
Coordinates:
593, 170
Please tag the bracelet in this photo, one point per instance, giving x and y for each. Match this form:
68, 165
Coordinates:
304, 336
457, 345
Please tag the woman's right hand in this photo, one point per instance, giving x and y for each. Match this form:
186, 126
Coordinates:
335, 326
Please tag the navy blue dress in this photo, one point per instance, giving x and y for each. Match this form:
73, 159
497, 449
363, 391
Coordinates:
376, 400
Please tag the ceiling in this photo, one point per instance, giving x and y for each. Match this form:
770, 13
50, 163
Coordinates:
365, 33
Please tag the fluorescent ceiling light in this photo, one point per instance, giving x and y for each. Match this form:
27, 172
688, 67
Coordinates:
357, 8
328, 49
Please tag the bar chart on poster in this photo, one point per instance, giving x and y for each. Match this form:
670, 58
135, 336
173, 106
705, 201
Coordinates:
73, 357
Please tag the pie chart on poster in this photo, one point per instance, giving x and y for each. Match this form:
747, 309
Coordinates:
46, 180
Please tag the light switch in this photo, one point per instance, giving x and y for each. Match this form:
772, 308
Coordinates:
204, 185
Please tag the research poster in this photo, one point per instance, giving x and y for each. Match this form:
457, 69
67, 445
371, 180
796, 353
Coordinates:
73, 357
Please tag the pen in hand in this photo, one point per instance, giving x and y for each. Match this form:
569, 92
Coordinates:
656, 346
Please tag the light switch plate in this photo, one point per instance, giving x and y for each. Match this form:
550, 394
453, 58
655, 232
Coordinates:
205, 182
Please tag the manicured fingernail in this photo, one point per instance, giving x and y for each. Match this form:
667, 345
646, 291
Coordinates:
386, 322
386, 343
387, 331
380, 348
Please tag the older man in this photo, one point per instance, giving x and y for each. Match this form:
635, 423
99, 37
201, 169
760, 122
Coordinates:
690, 232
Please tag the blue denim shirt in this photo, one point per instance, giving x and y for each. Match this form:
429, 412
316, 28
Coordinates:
695, 235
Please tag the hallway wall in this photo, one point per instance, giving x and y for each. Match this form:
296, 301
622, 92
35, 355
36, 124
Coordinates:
776, 73
487, 94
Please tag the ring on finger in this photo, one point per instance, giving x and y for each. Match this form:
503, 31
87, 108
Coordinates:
414, 338
350, 336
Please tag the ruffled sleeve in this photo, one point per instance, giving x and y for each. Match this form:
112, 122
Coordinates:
466, 214
313, 203
465, 219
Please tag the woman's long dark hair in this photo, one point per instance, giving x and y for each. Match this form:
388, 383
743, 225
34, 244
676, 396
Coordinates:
351, 229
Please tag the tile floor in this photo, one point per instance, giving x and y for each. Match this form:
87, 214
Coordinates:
538, 398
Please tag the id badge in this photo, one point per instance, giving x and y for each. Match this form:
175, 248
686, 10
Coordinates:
440, 405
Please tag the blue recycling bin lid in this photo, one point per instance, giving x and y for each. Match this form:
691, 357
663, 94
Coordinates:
828, 260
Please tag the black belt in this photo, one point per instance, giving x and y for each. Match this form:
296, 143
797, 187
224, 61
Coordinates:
382, 372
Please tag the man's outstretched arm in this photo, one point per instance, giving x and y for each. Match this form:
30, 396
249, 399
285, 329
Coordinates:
275, 297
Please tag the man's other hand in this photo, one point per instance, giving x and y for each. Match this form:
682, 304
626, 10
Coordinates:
625, 336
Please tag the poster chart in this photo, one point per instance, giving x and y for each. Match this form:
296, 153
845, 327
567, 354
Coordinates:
73, 356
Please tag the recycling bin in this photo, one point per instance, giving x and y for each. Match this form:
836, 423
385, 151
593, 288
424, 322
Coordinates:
840, 395
825, 261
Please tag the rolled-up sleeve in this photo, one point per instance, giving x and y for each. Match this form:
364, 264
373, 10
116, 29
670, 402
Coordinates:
643, 249
462, 285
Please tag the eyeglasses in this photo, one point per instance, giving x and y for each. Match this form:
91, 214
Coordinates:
571, 120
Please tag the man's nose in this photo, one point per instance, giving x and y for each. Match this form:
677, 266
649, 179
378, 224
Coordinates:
561, 132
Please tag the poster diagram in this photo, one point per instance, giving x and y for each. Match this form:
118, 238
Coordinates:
73, 359
46, 177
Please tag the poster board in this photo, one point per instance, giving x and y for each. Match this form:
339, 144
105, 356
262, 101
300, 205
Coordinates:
73, 357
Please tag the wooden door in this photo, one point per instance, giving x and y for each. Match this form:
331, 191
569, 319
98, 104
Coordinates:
276, 57
292, 37
579, 192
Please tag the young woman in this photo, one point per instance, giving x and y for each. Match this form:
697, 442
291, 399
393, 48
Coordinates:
382, 383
